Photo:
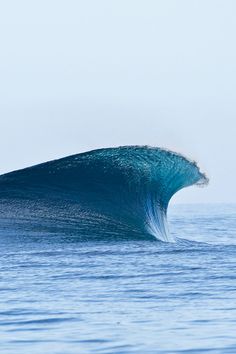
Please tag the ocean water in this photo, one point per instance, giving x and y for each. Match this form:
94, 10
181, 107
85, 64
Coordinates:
63, 295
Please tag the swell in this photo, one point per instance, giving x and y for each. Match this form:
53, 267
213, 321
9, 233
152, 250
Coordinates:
105, 192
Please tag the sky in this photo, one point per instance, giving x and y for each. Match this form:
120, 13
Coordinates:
79, 75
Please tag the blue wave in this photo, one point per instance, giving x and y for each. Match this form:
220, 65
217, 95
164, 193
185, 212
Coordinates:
107, 192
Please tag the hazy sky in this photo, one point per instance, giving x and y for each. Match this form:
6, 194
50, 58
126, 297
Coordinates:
77, 75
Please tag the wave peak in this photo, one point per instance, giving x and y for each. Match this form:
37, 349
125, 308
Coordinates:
114, 190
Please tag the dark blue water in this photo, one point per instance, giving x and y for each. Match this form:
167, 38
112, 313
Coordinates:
108, 193
60, 295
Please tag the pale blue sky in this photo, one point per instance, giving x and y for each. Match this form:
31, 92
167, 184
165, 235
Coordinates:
77, 75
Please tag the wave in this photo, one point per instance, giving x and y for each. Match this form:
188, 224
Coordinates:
106, 192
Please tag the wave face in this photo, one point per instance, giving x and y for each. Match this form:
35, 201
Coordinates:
107, 192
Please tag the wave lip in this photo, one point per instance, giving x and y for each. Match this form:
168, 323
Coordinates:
122, 190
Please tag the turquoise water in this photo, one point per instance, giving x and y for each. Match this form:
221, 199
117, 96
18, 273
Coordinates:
110, 193
60, 295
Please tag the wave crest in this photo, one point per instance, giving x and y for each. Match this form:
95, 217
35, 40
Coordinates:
106, 191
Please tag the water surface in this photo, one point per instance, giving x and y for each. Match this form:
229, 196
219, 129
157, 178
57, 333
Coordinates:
62, 296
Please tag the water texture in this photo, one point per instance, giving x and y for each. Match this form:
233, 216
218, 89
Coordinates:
121, 192
60, 295
79, 276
